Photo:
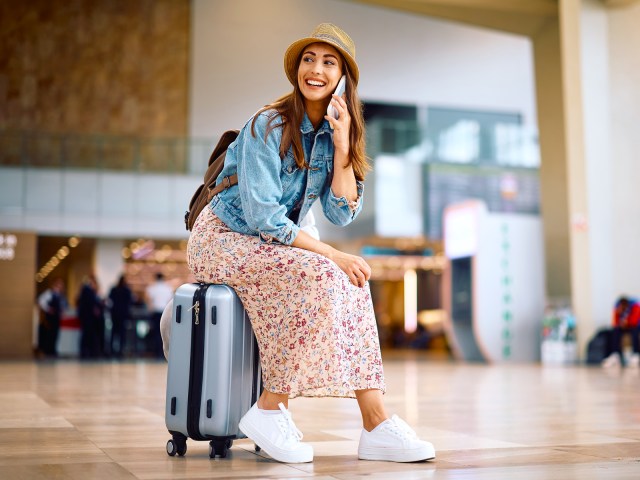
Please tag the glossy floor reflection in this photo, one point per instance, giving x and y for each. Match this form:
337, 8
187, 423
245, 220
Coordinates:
67, 420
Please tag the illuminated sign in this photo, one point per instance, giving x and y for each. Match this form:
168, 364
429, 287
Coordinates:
8, 244
462, 229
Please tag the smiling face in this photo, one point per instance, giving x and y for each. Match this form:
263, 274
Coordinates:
319, 72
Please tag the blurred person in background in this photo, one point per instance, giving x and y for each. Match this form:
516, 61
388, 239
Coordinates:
120, 301
91, 315
626, 319
158, 295
52, 303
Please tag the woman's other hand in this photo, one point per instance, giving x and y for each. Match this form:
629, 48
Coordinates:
356, 268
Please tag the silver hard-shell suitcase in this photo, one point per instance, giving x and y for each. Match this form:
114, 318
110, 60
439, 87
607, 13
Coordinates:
213, 376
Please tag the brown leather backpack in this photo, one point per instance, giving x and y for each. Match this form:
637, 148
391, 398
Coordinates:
208, 189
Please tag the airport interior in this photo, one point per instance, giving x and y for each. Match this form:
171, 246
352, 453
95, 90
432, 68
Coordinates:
500, 219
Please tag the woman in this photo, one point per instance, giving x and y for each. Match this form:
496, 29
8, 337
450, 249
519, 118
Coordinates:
309, 304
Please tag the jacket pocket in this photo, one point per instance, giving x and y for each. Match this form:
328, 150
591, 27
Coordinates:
289, 166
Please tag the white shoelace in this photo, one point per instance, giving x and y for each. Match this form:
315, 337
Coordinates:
288, 426
400, 426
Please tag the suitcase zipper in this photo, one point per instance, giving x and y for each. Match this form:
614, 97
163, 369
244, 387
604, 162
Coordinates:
196, 308
196, 368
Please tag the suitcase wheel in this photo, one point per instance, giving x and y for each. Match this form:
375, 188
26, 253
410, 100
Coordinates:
219, 448
176, 446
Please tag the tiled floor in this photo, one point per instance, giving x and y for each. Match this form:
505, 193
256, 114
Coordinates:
66, 420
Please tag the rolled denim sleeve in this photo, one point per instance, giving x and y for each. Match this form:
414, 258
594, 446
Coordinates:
339, 210
259, 183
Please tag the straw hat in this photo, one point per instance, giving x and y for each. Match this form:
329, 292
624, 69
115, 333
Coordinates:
327, 33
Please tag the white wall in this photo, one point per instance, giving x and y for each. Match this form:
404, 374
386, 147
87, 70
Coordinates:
624, 156
605, 263
597, 147
238, 47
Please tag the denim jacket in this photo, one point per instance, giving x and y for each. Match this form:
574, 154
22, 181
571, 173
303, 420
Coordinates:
269, 188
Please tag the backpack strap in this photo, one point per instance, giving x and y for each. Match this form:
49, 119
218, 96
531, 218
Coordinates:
208, 189
227, 182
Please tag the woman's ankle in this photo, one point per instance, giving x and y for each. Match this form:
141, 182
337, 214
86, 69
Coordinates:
371, 408
372, 422
271, 401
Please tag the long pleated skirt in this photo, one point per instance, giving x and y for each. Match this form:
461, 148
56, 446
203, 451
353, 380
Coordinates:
316, 332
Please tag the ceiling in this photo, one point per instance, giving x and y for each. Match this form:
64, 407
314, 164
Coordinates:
522, 17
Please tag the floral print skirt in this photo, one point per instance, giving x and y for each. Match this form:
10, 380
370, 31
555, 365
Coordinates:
316, 331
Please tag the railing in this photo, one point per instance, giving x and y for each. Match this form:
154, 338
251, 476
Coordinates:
105, 152
148, 182
468, 141
465, 142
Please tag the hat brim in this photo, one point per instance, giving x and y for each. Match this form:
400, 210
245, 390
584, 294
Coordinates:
292, 56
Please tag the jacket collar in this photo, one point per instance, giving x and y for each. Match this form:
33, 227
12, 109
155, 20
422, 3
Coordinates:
307, 127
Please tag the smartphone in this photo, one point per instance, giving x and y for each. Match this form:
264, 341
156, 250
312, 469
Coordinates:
331, 110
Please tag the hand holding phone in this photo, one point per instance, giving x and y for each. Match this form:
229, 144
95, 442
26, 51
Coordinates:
340, 88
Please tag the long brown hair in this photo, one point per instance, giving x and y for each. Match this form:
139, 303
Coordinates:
290, 108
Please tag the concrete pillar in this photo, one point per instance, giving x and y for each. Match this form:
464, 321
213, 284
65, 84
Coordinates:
598, 163
580, 267
571, 55
553, 168
17, 293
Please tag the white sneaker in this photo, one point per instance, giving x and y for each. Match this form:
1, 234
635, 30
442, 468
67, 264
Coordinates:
394, 441
612, 360
634, 361
276, 434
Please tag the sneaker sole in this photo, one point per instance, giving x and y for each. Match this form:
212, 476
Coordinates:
397, 455
274, 452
